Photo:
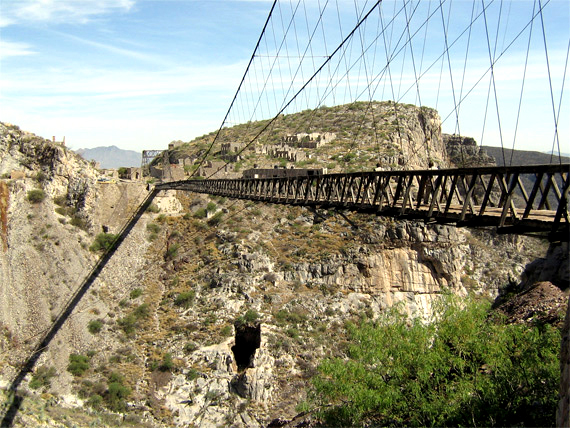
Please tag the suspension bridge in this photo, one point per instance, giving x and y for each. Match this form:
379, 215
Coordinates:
493, 69
486, 67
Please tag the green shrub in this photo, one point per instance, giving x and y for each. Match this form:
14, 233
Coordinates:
42, 377
103, 242
172, 251
216, 219
36, 196
95, 401
78, 222
166, 365
137, 292
463, 369
153, 228
116, 395
192, 374
185, 299
153, 208
349, 157
78, 364
94, 326
60, 200
41, 177
226, 331
190, 347
250, 317
128, 324
142, 311
211, 207
200, 213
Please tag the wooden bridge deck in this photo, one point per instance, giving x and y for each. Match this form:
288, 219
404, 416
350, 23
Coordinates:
520, 199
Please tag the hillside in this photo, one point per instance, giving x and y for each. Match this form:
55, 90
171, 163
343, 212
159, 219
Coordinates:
522, 157
111, 157
355, 137
216, 312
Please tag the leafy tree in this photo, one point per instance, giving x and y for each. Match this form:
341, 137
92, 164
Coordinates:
123, 172
463, 368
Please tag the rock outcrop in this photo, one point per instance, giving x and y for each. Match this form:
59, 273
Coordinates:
464, 152
218, 322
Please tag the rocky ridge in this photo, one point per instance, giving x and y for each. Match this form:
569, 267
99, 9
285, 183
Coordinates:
216, 312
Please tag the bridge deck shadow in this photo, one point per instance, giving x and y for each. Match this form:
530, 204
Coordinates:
14, 398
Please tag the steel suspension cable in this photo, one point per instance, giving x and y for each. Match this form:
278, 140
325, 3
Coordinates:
239, 87
549, 81
522, 86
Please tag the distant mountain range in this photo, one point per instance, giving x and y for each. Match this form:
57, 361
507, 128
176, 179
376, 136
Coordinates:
111, 156
523, 157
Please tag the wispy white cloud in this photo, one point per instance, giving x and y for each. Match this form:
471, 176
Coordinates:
57, 11
8, 49
130, 53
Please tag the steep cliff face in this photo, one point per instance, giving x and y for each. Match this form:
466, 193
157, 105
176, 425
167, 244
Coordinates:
45, 250
212, 312
298, 281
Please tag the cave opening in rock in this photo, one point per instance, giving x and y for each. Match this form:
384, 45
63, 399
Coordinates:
248, 339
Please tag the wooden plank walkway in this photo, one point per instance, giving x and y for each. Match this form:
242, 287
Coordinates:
519, 199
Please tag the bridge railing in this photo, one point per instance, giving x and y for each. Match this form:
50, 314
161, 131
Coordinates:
516, 199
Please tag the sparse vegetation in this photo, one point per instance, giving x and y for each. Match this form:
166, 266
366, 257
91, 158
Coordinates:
42, 377
103, 241
137, 292
94, 326
117, 393
200, 213
153, 208
185, 299
78, 364
250, 317
35, 196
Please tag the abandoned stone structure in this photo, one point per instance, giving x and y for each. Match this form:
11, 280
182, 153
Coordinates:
229, 151
173, 172
214, 167
110, 173
134, 173
286, 152
309, 141
230, 148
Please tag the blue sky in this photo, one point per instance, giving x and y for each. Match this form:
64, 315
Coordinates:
140, 73
136, 74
